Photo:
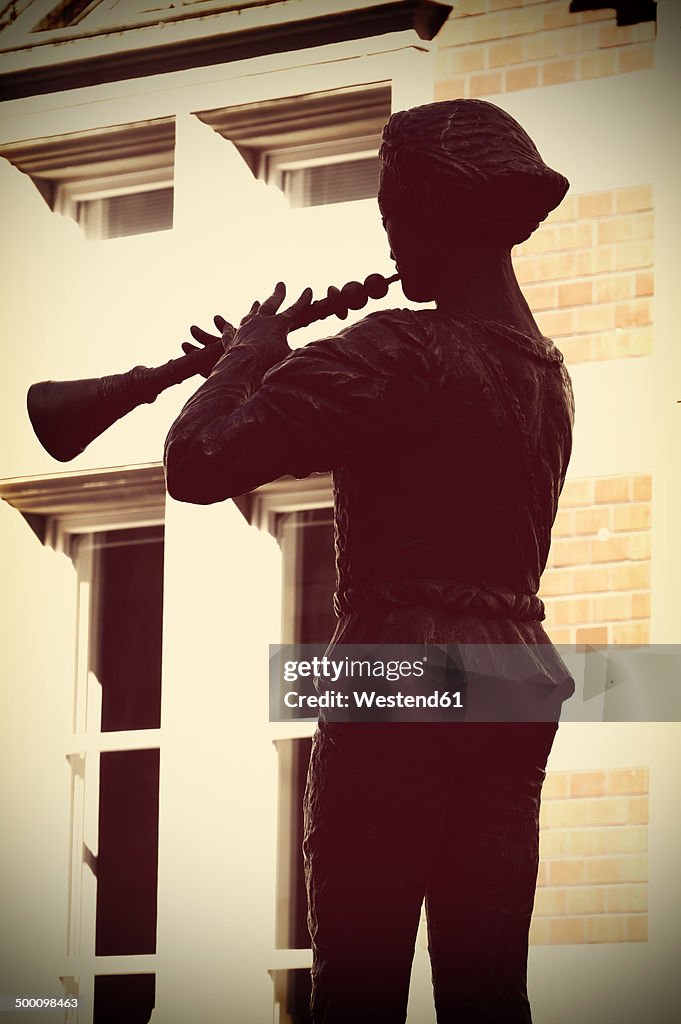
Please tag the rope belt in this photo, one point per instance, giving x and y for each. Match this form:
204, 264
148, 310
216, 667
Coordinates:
453, 595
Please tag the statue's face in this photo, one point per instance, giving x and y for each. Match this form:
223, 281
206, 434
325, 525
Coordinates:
412, 245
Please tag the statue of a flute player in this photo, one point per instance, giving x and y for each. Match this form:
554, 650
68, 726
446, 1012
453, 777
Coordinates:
448, 431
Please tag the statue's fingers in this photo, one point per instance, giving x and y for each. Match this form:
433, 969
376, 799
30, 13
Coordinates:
274, 301
251, 313
188, 349
302, 303
203, 337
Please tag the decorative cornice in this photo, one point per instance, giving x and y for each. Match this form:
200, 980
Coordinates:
53, 73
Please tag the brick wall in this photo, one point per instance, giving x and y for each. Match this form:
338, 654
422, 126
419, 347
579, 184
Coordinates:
587, 274
497, 46
592, 884
596, 586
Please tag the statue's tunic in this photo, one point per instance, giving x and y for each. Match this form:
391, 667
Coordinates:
449, 439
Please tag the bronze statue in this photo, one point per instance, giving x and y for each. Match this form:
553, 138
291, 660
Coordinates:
448, 431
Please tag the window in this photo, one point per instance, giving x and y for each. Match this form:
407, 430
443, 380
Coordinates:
113, 182
318, 148
110, 525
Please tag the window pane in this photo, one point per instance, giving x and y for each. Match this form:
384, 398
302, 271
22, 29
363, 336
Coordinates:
127, 858
126, 621
292, 990
291, 920
340, 182
124, 997
307, 543
133, 213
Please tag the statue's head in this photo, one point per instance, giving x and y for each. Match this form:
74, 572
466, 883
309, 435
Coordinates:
458, 172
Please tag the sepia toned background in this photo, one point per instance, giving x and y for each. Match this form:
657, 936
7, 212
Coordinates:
163, 162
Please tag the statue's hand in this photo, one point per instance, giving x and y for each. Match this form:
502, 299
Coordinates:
225, 336
265, 328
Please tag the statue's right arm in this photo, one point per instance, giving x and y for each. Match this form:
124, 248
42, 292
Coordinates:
252, 422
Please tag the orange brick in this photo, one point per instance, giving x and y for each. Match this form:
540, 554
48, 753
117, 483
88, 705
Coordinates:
451, 89
645, 283
587, 900
558, 16
564, 525
640, 606
542, 874
622, 899
570, 611
544, 46
555, 323
522, 21
638, 545
566, 872
522, 78
636, 58
540, 296
566, 211
549, 902
596, 637
577, 492
613, 549
577, 349
464, 8
633, 254
570, 552
613, 287
559, 71
527, 268
631, 867
597, 65
635, 313
565, 930
591, 520
503, 54
628, 780
629, 576
581, 812
639, 341
539, 932
578, 293
556, 784
639, 810
613, 488
557, 582
560, 265
611, 608
595, 318
639, 197
558, 636
462, 59
596, 260
587, 783
637, 928
615, 229
632, 633
635, 516
576, 236
485, 85
642, 487
617, 35
605, 928
595, 204
588, 581
607, 345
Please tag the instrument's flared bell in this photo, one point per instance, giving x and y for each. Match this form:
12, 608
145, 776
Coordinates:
67, 415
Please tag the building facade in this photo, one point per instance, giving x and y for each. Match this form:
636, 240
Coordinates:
163, 163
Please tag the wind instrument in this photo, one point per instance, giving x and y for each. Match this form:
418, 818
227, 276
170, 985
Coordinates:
67, 415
